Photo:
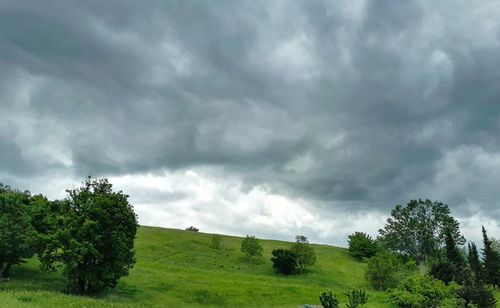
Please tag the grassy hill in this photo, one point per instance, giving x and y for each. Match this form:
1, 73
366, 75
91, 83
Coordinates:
178, 269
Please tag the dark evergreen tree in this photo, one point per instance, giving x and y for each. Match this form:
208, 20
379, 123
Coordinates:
491, 261
474, 262
453, 254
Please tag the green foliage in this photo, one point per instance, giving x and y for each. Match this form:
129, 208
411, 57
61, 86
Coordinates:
216, 241
444, 271
95, 239
284, 261
192, 228
356, 297
17, 235
423, 291
328, 299
385, 269
474, 291
417, 229
361, 245
251, 248
474, 262
491, 261
304, 252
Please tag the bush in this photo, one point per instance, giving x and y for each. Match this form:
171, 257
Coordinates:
95, 239
304, 251
386, 269
192, 228
356, 298
329, 300
474, 291
216, 240
284, 261
361, 245
17, 235
251, 248
423, 291
444, 271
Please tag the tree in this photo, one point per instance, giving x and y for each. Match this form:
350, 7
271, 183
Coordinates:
417, 229
361, 245
284, 261
251, 248
474, 262
491, 261
383, 270
474, 291
495, 244
96, 237
304, 251
16, 232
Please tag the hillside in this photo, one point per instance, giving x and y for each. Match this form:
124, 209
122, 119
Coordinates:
178, 269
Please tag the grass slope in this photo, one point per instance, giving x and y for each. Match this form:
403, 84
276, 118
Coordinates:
178, 269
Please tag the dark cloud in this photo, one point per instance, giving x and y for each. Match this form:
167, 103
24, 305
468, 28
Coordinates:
355, 104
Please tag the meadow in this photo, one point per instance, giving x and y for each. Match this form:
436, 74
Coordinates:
177, 268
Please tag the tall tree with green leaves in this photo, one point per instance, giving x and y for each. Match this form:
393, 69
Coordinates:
418, 229
491, 261
304, 251
17, 235
95, 239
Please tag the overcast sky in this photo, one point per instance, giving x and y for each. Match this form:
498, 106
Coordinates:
272, 118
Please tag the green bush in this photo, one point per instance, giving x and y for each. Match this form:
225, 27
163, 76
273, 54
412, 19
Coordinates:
328, 299
385, 269
251, 248
423, 291
304, 251
216, 241
361, 245
284, 261
356, 298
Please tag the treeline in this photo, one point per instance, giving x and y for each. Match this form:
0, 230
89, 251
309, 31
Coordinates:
89, 235
420, 258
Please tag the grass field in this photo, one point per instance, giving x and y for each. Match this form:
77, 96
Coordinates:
179, 269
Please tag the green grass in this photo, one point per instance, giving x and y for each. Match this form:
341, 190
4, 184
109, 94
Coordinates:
179, 269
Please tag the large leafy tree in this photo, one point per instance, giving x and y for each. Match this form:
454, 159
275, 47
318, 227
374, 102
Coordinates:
16, 232
95, 237
418, 229
361, 245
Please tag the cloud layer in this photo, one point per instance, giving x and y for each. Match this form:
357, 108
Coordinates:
332, 110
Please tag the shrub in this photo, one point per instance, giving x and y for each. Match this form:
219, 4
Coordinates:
385, 269
444, 271
474, 291
361, 245
329, 300
251, 248
284, 261
216, 240
192, 228
96, 238
423, 291
356, 298
304, 251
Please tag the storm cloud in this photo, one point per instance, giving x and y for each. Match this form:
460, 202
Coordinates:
334, 110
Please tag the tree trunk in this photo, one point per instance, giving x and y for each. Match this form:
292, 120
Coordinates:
4, 270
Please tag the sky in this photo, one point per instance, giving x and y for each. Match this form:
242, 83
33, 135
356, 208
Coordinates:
270, 118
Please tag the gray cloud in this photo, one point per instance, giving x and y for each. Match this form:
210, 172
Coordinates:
353, 105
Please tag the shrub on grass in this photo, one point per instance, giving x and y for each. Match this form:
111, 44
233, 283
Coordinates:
385, 269
251, 248
423, 291
284, 261
304, 251
216, 241
356, 298
192, 228
328, 299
